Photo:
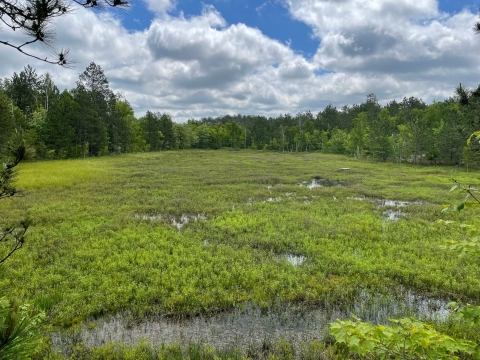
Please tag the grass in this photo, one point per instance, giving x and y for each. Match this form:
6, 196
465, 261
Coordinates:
64, 174
102, 240
146, 351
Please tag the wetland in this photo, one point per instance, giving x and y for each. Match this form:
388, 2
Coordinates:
233, 256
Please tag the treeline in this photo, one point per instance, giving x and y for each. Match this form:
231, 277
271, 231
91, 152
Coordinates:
90, 120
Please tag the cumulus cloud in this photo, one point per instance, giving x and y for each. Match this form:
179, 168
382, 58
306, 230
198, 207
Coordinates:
202, 66
160, 7
211, 55
410, 39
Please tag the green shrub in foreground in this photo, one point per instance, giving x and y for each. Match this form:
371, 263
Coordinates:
407, 338
18, 331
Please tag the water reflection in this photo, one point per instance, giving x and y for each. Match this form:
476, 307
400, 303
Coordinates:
178, 222
250, 326
317, 182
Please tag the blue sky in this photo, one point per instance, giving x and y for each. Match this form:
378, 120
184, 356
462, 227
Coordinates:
271, 17
193, 59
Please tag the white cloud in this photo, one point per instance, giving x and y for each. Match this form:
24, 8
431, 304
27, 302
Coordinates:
160, 7
260, 9
395, 37
203, 66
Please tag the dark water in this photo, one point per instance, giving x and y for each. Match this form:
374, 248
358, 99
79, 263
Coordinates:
317, 182
178, 221
249, 327
392, 209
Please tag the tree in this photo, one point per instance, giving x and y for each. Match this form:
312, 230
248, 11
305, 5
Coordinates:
327, 119
24, 89
185, 136
49, 90
336, 143
382, 127
158, 131
89, 126
236, 134
135, 142
203, 134
34, 18
166, 128
58, 133
95, 85
401, 143
358, 137
93, 79
7, 120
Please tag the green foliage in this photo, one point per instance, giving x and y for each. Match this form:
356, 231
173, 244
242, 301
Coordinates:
89, 255
382, 128
18, 325
19, 331
407, 338
11, 120
469, 245
279, 350
466, 313
96, 122
58, 132
401, 143
471, 199
24, 89
358, 139
336, 144
158, 131
133, 139
410, 338
475, 135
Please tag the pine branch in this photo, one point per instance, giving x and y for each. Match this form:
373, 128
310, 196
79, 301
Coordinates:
7, 175
34, 17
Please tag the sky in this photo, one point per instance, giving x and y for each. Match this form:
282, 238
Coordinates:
194, 59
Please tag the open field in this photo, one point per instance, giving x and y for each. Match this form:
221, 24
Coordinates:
189, 232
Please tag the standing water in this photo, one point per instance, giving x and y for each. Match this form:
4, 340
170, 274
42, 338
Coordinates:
250, 327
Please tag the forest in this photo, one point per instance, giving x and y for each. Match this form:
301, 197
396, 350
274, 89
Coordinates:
91, 120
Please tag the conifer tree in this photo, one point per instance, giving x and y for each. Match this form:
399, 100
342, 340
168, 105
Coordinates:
34, 18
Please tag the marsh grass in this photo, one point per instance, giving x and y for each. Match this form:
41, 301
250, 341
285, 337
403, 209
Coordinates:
278, 350
87, 255
62, 174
